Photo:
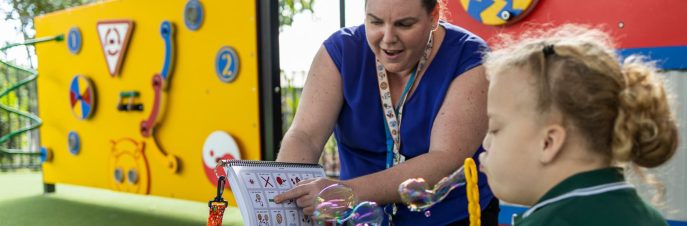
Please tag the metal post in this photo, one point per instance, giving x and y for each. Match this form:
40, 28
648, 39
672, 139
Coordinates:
268, 74
48, 188
342, 13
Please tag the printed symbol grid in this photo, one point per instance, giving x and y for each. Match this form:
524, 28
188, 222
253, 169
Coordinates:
263, 186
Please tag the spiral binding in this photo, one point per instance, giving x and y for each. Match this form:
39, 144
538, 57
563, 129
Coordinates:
235, 162
256, 163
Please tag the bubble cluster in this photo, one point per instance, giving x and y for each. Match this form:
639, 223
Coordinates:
337, 203
334, 202
416, 193
366, 214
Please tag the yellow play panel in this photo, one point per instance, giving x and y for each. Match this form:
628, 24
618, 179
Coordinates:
145, 96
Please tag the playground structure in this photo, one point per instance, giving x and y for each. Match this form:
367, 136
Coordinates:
143, 97
9, 103
107, 125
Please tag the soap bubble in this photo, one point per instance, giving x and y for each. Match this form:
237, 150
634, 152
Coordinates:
333, 202
337, 203
416, 193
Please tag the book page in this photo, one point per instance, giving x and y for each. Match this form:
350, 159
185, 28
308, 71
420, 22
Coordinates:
262, 184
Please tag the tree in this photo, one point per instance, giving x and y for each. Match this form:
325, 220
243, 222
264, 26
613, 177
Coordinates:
25, 10
289, 8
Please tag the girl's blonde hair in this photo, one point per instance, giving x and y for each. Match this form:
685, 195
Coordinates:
620, 109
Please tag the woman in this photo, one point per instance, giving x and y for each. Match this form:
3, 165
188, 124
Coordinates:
403, 70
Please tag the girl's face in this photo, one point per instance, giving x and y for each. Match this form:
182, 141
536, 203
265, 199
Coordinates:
515, 134
397, 32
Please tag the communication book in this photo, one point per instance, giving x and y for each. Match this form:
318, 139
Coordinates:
256, 183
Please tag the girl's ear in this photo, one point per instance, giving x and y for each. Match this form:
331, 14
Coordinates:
555, 137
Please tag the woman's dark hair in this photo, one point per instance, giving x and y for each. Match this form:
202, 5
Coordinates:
430, 4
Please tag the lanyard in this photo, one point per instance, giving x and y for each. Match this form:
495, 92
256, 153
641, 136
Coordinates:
581, 192
392, 117
390, 161
218, 205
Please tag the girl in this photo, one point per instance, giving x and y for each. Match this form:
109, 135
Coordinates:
563, 114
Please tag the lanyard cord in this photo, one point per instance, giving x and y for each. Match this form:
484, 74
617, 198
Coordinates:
393, 117
398, 111
217, 205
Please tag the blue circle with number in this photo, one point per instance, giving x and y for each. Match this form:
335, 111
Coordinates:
227, 64
193, 14
74, 40
74, 143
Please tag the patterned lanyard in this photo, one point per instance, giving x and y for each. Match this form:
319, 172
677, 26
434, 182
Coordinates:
393, 116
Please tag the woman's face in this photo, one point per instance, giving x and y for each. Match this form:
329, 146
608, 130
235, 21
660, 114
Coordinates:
514, 137
397, 32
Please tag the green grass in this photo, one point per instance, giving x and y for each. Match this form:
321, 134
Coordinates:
22, 202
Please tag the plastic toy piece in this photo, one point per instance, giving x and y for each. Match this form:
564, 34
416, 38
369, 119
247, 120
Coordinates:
167, 32
171, 162
219, 145
74, 143
227, 64
114, 39
119, 175
505, 15
128, 163
132, 176
193, 15
45, 155
147, 125
497, 13
128, 101
82, 97
74, 40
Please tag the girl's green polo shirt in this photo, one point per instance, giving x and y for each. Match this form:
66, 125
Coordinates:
597, 197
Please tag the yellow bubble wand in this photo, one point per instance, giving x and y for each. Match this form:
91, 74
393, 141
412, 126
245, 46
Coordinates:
474, 209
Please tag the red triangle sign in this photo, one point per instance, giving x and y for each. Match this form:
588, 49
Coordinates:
114, 38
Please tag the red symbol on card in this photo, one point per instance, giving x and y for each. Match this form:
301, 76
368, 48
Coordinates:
280, 180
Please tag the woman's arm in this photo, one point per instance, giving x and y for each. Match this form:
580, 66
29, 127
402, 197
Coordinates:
457, 132
318, 109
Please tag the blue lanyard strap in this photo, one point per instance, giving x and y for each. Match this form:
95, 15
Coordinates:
393, 116
401, 102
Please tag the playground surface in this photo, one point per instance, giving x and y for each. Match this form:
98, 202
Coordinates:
22, 203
